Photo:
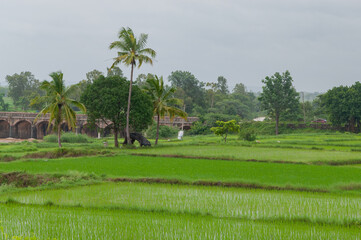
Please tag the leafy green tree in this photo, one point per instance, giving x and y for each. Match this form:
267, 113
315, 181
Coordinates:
163, 101
58, 103
132, 52
189, 88
240, 89
106, 100
343, 105
3, 105
4, 90
115, 71
279, 96
21, 87
336, 103
222, 85
318, 108
211, 92
225, 128
93, 75
141, 80
82, 85
233, 107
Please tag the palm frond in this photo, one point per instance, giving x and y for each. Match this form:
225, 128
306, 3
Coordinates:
142, 41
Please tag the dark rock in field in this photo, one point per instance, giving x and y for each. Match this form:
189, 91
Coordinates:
138, 137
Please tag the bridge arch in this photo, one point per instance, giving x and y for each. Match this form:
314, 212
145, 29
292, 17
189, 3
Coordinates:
23, 129
42, 129
91, 131
64, 126
4, 129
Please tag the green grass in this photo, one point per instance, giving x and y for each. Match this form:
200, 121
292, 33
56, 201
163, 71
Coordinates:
69, 223
252, 152
299, 175
215, 201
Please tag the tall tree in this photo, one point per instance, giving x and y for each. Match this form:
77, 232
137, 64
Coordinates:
21, 88
163, 101
115, 71
222, 85
58, 103
82, 85
343, 105
190, 89
106, 99
132, 52
93, 75
279, 96
211, 92
141, 80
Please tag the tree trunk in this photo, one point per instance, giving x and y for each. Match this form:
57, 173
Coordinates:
277, 120
59, 126
352, 124
225, 138
59, 135
116, 143
128, 109
157, 135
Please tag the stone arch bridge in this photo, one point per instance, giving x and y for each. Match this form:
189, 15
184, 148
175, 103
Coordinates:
22, 125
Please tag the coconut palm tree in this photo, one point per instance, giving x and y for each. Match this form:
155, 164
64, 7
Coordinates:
163, 101
132, 52
58, 103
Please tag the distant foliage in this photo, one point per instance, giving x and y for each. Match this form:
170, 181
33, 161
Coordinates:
3, 105
23, 88
198, 128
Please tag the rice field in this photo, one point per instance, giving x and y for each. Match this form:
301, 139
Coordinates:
77, 223
191, 170
315, 199
219, 202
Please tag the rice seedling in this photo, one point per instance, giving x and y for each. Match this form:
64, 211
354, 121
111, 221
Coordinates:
78, 223
215, 201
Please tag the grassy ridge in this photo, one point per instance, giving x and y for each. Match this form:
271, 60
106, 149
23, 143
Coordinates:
67, 223
215, 201
311, 176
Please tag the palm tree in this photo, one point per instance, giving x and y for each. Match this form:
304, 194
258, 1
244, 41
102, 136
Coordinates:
162, 98
132, 52
58, 103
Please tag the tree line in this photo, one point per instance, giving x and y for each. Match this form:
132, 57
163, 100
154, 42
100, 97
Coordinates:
211, 101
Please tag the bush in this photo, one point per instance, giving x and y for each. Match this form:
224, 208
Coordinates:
268, 128
248, 135
69, 138
164, 131
198, 128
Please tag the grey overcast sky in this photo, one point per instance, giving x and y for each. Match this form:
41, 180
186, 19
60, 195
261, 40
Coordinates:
318, 41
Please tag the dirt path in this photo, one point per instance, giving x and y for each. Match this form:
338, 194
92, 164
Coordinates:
13, 140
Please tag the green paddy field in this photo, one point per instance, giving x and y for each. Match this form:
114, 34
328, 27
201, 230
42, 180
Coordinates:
296, 186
